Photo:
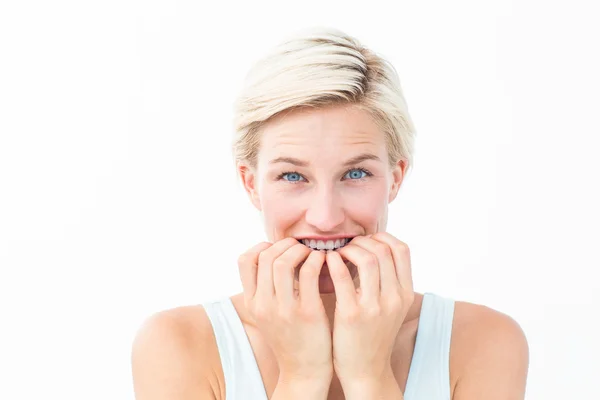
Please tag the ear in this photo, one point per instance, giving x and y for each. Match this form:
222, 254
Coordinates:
398, 172
249, 177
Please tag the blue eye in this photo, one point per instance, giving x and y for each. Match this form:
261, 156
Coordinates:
355, 174
291, 176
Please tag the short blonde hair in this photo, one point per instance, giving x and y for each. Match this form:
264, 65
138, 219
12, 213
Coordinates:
316, 68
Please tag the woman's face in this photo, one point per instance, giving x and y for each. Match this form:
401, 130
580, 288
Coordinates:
323, 174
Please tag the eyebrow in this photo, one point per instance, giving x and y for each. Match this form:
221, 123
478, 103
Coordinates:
300, 163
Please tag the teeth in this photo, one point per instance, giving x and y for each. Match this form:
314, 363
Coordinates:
325, 245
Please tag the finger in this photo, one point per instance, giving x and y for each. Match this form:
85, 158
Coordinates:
368, 270
248, 267
309, 279
345, 292
283, 272
265, 287
401, 255
387, 270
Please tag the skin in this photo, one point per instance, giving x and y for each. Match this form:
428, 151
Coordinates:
320, 199
321, 202
306, 185
175, 355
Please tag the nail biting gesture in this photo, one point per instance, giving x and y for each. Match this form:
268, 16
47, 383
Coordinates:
294, 322
367, 320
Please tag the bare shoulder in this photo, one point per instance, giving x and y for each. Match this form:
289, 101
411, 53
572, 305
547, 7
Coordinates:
173, 356
490, 354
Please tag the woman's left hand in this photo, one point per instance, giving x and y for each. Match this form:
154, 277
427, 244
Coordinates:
367, 320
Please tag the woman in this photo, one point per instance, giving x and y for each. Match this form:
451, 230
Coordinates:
323, 143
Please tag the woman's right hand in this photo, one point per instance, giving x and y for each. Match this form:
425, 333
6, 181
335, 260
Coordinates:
293, 322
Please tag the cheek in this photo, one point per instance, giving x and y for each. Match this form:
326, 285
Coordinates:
366, 204
279, 208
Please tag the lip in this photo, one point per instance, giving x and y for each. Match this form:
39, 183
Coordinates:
325, 238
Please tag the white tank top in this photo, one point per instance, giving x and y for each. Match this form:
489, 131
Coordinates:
428, 377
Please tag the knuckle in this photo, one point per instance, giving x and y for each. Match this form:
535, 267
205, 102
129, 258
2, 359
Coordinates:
307, 315
243, 259
341, 275
373, 311
299, 250
403, 248
385, 237
382, 249
355, 240
261, 312
394, 303
262, 246
286, 314
351, 315
370, 260
250, 255
264, 258
280, 263
290, 241
379, 235
308, 271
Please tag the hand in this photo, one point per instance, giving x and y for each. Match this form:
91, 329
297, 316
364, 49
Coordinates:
367, 320
293, 322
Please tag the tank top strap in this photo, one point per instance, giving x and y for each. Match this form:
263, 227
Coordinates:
242, 376
429, 374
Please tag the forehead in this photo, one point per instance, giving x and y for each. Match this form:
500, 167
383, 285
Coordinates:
335, 132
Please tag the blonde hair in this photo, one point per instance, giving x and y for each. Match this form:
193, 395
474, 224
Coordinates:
316, 68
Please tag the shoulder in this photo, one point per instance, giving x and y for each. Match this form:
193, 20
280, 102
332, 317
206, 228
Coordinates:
490, 354
174, 355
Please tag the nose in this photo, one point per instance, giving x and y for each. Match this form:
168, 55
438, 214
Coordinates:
325, 211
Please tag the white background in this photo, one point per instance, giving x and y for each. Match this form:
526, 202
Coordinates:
119, 198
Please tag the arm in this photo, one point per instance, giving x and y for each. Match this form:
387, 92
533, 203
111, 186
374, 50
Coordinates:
496, 359
167, 361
